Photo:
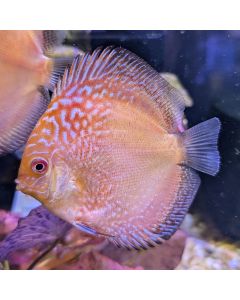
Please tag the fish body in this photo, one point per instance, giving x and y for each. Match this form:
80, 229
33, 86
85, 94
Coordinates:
26, 71
110, 154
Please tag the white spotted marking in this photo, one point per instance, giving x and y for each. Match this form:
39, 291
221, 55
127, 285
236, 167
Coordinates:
78, 99
85, 123
63, 119
89, 104
46, 118
31, 145
46, 131
98, 86
72, 90
90, 130
45, 142
98, 124
65, 101
37, 152
82, 133
95, 111
95, 95
53, 107
73, 134
64, 134
103, 93
105, 113
85, 88
74, 146
77, 125
102, 132
53, 121
76, 111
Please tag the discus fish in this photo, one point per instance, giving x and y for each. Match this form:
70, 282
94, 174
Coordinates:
110, 154
25, 69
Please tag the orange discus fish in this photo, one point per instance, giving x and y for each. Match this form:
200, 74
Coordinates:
110, 154
26, 67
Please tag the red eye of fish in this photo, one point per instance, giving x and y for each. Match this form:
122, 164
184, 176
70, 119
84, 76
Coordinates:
39, 166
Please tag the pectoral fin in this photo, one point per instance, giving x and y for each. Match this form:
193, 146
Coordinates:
89, 230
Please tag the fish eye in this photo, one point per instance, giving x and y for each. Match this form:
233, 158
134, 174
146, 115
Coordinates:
39, 166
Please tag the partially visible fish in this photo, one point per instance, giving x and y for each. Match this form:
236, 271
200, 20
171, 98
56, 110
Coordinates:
26, 71
110, 154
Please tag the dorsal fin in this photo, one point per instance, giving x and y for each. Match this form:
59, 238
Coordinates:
121, 65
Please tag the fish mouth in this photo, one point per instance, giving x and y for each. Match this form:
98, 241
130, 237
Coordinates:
19, 185
28, 190
17, 181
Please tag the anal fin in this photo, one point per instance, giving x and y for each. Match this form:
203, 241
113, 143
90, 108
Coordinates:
186, 193
146, 238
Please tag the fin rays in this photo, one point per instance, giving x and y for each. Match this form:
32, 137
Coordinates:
13, 139
119, 64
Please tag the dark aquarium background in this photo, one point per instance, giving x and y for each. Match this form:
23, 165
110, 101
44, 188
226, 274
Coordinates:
207, 63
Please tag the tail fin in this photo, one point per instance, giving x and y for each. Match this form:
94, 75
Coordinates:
201, 146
